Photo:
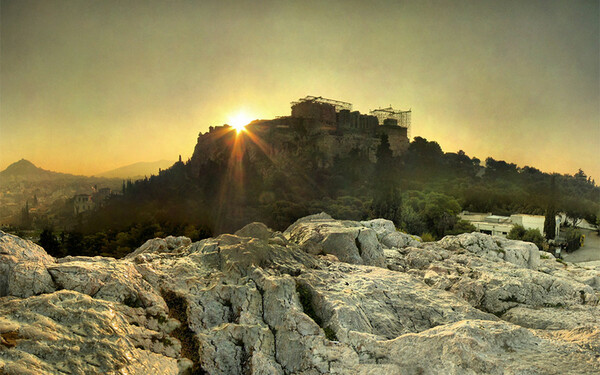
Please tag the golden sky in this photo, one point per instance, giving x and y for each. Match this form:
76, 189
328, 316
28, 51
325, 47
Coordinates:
88, 86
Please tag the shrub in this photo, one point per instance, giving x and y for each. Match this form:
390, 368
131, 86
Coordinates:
573, 237
518, 232
462, 226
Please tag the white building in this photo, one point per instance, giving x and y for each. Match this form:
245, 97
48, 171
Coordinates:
501, 225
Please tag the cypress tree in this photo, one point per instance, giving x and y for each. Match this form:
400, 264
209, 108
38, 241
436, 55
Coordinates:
550, 220
387, 200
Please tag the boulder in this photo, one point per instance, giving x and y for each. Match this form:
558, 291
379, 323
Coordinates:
349, 241
160, 245
519, 253
255, 230
389, 236
23, 267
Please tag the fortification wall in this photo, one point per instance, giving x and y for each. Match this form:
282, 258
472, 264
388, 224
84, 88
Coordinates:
397, 137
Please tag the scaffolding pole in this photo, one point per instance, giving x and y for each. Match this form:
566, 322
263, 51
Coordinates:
402, 117
338, 104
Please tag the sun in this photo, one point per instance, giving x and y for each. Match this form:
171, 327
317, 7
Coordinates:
239, 121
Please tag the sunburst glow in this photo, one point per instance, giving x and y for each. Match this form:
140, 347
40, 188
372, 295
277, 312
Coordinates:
239, 121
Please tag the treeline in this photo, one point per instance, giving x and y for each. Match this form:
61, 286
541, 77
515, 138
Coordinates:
112, 243
422, 192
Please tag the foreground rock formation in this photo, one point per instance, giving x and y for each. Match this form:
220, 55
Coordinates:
325, 296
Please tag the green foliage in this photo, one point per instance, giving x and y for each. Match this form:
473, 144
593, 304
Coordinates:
427, 237
342, 208
435, 212
422, 192
388, 205
462, 226
387, 199
573, 238
411, 221
550, 223
550, 217
112, 243
518, 232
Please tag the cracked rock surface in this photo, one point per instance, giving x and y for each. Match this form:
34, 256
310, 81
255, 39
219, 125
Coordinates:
323, 297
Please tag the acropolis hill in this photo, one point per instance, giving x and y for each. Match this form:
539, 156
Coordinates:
324, 127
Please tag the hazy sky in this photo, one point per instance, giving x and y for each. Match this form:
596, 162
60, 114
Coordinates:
88, 86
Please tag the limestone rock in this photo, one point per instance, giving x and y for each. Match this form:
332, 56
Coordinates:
112, 280
23, 267
349, 241
389, 236
554, 318
18, 249
160, 245
255, 230
69, 332
324, 297
519, 253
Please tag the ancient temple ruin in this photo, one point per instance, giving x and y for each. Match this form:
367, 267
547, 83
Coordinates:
329, 128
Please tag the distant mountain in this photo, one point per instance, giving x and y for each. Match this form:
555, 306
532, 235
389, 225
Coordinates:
138, 170
24, 169
23, 183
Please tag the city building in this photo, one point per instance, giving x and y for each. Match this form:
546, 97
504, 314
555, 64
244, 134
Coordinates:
500, 225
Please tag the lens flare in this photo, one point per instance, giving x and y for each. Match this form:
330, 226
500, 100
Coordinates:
239, 121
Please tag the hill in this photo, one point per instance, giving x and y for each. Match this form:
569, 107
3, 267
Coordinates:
43, 192
138, 170
24, 169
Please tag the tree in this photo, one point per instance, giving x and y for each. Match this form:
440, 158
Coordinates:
573, 237
518, 232
576, 209
462, 226
25, 217
440, 213
50, 243
411, 221
386, 196
550, 219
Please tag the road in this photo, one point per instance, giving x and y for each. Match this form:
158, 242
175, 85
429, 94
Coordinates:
590, 250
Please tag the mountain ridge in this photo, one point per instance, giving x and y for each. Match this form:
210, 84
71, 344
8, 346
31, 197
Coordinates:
139, 169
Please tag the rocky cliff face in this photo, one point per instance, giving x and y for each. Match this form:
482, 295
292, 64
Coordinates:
325, 296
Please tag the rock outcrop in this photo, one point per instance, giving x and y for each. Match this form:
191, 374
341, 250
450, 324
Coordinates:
325, 296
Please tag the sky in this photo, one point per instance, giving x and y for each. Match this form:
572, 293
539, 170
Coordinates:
89, 86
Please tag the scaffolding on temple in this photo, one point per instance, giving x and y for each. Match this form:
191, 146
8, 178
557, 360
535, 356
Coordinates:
339, 105
403, 118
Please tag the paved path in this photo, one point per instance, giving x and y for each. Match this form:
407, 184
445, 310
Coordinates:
590, 250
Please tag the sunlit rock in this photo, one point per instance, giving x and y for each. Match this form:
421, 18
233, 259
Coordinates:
23, 267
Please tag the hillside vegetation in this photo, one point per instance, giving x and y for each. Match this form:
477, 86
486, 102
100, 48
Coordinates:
422, 192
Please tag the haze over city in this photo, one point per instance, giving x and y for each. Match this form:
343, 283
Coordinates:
91, 86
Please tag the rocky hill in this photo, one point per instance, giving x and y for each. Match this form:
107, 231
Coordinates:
24, 169
324, 296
